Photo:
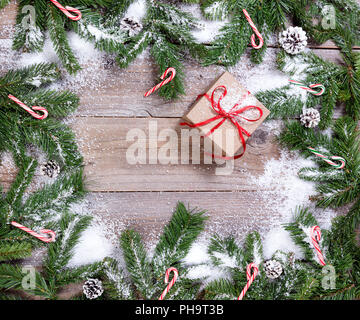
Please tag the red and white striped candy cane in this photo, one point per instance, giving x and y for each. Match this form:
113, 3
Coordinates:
66, 10
315, 238
250, 278
167, 80
35, 234
252, 25
171, 283
340, 165
310, 88
30, 110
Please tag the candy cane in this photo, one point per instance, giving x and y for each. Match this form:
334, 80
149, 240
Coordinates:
30, 110
252, 25
167, 80
310, 87
67, 9
35, 234
172, 282
250, 278
340, 165
315, 238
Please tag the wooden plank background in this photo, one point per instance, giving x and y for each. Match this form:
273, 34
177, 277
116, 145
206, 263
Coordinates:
143, 196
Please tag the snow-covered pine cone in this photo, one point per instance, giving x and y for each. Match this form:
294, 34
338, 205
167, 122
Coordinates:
273, 269
131, 24
50, 169
93, 288
293, 40
310, 118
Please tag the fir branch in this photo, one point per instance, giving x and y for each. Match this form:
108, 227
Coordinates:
177, 238
61, 251
137, 263
165, 55
11, 277
16, 250
4, 3
58, 36
221, 251
214, 9
253, 248
23, 179
302, 219
116, 284
42, 206
307, 289
220, 290
16, 82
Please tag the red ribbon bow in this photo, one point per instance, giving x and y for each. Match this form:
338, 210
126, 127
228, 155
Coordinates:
231, 115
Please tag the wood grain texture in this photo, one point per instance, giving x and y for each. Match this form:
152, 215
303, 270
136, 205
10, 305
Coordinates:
104, 146
119, 93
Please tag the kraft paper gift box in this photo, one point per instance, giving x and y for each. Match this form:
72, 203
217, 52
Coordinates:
202, 110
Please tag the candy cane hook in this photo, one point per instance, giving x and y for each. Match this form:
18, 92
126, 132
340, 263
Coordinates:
67, 9
35, 234
252, 25
310, 87
30, 110
315, 238
250, 278
340, 165
171, 283
167, 80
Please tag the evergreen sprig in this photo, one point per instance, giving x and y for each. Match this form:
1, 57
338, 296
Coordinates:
302, 278
289, 101
270, 17
55, 273
147, 274
167, 30
335, 187
19, 132
31, 31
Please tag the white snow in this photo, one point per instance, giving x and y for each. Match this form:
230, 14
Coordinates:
284, 190
279, 239
260, 77
200, 267
136, 10
208, 30
93, 246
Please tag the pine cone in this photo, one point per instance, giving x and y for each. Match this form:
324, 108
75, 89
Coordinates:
310, 118
93, 289
131, 24
293, 40
50, 169
273, 269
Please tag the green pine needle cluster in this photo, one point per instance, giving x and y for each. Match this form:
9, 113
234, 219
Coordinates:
301, 278
37, 18
166, 30
271, 17
335, 188
54, 274
146, 274
44, 207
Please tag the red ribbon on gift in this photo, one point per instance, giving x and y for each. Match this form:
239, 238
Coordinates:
222, 114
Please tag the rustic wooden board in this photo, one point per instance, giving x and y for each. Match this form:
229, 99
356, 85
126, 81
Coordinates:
104, 146
148, 212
